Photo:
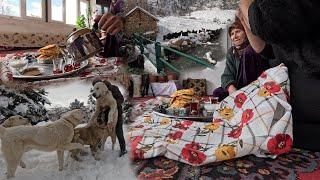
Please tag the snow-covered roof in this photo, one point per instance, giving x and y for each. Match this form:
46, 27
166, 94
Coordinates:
143, 10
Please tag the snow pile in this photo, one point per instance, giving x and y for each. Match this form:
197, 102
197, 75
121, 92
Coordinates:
205, 19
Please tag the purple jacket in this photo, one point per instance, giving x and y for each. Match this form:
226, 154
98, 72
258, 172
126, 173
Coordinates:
116, 7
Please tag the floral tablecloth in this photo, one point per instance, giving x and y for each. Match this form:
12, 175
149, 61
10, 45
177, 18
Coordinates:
245, 123
14, 39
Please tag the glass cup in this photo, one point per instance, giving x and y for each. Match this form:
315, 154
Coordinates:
214, 100
170, 111
182, 112
194, 108
68, 65
57, 65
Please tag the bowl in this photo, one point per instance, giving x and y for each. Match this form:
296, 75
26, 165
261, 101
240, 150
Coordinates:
18, 63
209, 107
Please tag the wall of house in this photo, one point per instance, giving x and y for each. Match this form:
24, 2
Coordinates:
25, 26
147, 23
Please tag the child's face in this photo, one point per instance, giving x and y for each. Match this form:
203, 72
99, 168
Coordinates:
238, 37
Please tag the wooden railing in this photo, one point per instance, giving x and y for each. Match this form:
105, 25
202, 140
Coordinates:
160, 62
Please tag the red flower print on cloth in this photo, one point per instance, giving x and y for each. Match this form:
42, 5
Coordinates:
280, 144
246, 116
236, 132
272, 87
136, 153
139, 126
240, 99
184, 125
263, 75
175, 136
269, 88
192, 154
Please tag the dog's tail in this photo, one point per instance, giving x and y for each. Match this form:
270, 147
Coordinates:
2, 130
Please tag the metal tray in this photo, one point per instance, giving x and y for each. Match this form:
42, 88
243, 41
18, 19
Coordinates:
47, 72
191, 118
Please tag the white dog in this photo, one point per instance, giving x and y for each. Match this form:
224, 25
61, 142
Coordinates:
105, 100
52, 137
15, 121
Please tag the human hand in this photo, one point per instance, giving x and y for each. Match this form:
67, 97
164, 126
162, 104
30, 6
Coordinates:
244, 4
109, 23
239, 15
231, 89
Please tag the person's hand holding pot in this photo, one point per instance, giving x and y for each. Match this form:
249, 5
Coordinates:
109, 23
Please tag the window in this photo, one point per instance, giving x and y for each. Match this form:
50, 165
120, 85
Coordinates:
10, 7
83, 8
71, 12
98, 9
34, 8
64, 11
57, 10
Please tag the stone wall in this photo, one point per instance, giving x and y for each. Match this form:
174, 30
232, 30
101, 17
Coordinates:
140, 22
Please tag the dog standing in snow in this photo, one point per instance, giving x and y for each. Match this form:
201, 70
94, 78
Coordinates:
104, 101
57, 136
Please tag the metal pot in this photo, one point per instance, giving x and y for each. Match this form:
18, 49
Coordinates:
83, 44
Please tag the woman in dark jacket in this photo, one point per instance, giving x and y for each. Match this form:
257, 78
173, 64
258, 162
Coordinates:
289, 29
243, 64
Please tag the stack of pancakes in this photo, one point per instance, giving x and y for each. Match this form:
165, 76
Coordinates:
51, 51
182, 98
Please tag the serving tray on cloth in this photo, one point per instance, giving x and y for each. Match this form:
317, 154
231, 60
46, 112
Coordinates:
200, 118
47, 72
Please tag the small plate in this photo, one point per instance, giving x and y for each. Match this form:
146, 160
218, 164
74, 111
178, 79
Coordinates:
191, 118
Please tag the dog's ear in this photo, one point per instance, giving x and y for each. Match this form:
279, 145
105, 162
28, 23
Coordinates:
96, 80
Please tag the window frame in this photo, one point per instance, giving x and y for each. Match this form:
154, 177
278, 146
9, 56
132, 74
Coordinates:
49, 10
77, 15
14, 17
46, 12
24, 11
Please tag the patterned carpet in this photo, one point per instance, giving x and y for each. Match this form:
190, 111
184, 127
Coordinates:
298, 164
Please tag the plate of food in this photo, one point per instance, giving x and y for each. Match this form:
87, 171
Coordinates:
38, 71
183, 113
49, 62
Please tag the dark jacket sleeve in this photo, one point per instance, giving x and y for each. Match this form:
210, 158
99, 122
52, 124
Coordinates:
284, 21
117, 94
230, 72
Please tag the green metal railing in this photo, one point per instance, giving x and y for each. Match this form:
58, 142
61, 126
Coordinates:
161, 62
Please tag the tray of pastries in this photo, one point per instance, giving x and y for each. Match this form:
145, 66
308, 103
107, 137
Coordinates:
47, 63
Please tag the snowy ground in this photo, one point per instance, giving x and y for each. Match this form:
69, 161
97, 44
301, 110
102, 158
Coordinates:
208, 19
44, 166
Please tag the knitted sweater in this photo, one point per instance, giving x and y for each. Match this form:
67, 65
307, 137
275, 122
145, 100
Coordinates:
290, 27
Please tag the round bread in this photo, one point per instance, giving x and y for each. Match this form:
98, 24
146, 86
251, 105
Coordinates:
33, 71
